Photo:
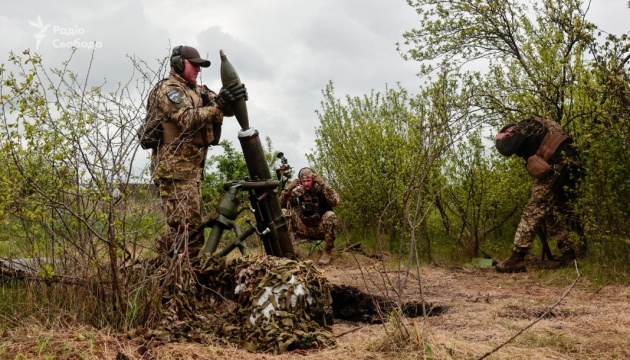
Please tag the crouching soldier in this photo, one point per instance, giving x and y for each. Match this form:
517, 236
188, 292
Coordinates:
308, 204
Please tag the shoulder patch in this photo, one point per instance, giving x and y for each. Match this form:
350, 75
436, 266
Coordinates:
174, 96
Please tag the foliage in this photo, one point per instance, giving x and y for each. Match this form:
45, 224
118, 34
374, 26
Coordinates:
67, 194
363, 152
220, 169
482, 195
541, 58
605, 145
228, 166
383, 153
532, 52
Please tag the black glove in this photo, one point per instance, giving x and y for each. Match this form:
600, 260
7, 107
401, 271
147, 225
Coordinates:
231, 93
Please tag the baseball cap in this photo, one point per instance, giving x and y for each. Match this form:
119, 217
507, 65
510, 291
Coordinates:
190, 53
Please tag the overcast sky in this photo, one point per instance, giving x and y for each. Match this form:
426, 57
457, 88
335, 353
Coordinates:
285, 51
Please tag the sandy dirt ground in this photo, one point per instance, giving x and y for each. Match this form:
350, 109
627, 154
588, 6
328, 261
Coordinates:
482, 309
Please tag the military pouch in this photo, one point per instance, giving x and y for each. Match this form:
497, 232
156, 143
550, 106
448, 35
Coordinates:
537, 167
311, 220
150, 135
309, 209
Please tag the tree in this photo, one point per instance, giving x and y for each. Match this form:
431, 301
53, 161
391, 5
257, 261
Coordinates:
363, 151
482, 193
540, 58
532, 53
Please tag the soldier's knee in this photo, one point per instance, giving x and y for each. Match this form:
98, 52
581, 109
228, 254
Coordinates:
329, 218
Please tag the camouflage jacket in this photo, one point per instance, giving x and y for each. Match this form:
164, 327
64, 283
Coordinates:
180, 105
319, 199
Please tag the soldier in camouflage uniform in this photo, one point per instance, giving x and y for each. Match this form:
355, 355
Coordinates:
188, 118
308, 203
551, 158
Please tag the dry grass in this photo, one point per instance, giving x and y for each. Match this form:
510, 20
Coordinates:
484, 310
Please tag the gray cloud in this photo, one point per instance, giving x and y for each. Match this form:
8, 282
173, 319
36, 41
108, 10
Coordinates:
285, 51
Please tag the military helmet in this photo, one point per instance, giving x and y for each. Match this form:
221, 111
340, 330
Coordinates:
503, 129
504, 148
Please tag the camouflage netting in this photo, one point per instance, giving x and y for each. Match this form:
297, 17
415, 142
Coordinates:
265, 304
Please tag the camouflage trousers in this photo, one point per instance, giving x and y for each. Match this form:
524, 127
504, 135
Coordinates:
182, 206
325, 229
544, 208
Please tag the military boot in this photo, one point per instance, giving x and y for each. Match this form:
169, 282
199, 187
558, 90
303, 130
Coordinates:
296, 248
515, 264
325, 259
329, 245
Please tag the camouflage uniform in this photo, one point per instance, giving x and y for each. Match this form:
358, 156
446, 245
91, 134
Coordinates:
543, 207
551, 195
310, 213
191, 125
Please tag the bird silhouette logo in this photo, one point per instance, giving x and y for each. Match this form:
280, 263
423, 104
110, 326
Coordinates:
42, 30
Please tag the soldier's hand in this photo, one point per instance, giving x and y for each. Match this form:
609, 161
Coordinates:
293, 184
240, 92
318, 180
299, 191
227, 95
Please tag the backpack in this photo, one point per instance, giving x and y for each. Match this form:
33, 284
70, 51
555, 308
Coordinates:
150, 132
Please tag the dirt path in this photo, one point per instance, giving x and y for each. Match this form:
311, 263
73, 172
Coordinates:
483, 310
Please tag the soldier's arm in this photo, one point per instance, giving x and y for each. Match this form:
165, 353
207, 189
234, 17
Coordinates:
331, 195
288, 196
284, 199
188, 117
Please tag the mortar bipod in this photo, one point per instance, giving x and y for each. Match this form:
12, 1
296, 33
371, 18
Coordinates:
227, 213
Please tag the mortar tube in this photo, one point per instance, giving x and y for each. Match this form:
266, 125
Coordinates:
273, 232
259, 170
266, 229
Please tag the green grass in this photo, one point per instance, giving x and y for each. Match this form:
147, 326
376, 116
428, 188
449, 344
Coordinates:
550, 340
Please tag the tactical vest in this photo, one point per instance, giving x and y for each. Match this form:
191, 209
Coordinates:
555, 136
537, 164
156, 132
309, 209
201, 137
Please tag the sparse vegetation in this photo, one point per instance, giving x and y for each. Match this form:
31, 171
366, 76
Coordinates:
420, 191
